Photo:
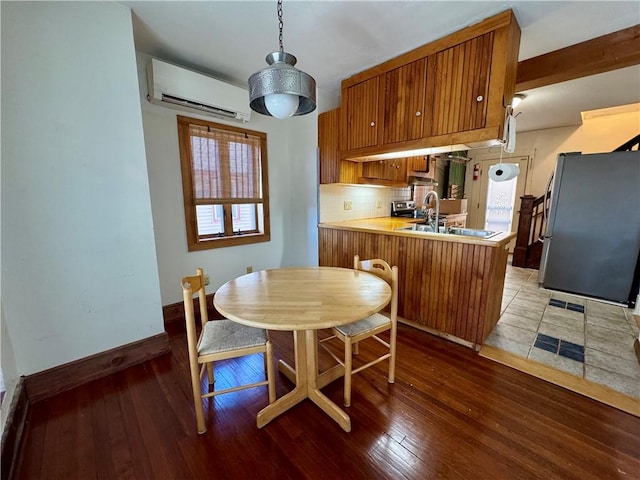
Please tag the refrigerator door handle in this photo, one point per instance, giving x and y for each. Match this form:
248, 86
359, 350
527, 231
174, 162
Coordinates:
543, 260
546, 205
553, 191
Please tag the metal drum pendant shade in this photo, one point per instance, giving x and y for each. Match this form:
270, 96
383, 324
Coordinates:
281, 77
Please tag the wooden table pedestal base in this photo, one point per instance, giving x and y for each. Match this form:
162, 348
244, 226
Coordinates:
307, 383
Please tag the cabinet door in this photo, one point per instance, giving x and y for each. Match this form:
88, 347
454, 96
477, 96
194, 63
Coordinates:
396, 170
425, 165
328, 143
393, 170
332, 169
404, 102
362, 114
461, 86
373, 169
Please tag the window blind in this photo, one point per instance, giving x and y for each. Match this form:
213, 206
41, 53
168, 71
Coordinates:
225, 166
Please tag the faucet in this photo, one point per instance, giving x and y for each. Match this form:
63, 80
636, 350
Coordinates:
434, 194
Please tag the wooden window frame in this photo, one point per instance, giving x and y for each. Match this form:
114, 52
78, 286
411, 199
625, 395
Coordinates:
195, 242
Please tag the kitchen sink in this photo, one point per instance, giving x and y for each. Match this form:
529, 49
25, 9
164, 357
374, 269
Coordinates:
468, 232
472, 232
421, 227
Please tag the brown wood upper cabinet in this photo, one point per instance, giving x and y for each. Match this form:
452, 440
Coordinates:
449, 92
392, 171
383, 172
422, 166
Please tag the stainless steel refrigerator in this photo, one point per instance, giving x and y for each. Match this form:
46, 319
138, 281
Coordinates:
592, 241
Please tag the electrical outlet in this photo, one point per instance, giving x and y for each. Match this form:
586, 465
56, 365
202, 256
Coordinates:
206, 279
379, 204
249, 269
348, 204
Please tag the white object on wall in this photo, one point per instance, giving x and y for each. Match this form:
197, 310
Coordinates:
503, 172
510, 134
176, 87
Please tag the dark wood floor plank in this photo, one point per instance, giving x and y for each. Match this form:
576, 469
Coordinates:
450, 414
509, 422
111, 439
86, 435
60, 437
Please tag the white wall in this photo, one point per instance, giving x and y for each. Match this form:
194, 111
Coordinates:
10, 375
301, 243
292, 169
8, 369
78, 252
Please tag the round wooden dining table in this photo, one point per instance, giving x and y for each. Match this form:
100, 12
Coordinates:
303, 300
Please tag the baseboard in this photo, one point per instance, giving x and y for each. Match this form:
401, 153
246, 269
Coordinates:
13, 430
437, 333
58, 379
173, 314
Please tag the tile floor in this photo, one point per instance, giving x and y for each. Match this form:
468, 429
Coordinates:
586, 338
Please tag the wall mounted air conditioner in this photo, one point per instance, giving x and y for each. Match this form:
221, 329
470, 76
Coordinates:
177, 87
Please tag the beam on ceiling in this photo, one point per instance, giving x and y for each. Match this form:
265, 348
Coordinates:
598, 55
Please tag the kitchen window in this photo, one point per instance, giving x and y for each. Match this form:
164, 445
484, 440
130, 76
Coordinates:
224, 183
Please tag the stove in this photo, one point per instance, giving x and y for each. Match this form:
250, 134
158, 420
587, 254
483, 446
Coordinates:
407, 209
403, 208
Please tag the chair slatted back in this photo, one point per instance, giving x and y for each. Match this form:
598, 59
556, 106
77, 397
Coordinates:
383, 270
191, 286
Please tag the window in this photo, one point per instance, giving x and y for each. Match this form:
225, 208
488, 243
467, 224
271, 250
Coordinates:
224, 183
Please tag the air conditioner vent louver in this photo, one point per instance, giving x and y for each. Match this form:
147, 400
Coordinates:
199, 106
177, 87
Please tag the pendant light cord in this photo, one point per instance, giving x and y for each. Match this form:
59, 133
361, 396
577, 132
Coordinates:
280, 23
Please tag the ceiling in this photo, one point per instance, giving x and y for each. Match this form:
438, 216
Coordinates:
335, 39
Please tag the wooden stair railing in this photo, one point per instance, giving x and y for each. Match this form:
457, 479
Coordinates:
531, 226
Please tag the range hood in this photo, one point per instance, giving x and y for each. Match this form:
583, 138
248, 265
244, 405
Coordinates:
413, 180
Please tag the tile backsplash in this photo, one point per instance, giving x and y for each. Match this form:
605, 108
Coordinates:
366, 201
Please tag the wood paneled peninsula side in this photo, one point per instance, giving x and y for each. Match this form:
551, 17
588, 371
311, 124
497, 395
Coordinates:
450, 285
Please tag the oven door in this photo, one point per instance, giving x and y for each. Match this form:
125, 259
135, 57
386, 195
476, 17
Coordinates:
403, 213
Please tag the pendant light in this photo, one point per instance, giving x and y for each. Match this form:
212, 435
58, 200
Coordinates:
281, 90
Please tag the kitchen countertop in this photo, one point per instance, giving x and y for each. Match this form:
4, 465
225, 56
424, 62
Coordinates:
390, 226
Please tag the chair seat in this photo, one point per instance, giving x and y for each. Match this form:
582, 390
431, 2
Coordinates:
361, 326
225, 335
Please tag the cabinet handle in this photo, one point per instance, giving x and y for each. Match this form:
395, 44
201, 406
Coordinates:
418, 114
479, 98
373, 124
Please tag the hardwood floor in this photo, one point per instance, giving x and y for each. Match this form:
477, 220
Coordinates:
450, 414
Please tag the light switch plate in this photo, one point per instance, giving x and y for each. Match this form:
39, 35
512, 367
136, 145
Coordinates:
348, 204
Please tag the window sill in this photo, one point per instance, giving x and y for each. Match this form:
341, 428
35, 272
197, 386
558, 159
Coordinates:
221, 242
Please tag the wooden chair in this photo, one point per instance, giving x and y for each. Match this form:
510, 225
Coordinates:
219, 340
352, 333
